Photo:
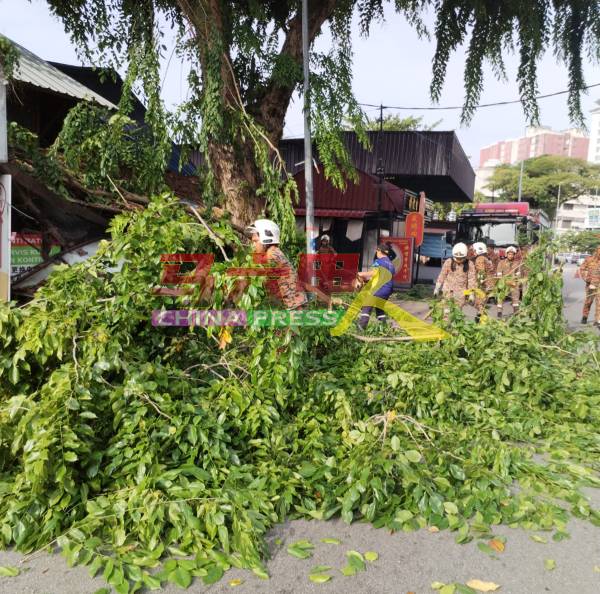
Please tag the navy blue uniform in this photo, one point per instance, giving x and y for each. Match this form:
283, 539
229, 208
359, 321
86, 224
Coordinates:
383, 292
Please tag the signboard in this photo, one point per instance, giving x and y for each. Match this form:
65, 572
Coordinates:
514, 208
414, 226
5, 200
403, 246
412, 202
26, 252
3, 129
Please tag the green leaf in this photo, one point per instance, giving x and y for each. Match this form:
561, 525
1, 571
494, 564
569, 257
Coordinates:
395, 442
485, 548
9, 571
333, 541
462, 589
413, 456
180, 577
301, 549
539, 539
450, 507
215, 573
437, 585
403, 515
102, 591
320, 568
70, 456
319, 578
348, 570
356, 560
150, 581
448, 589
371, 556
549, 564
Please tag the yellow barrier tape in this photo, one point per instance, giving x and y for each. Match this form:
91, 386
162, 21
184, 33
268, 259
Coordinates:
413, 326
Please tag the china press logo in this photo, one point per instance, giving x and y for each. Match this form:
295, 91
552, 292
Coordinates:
327, 273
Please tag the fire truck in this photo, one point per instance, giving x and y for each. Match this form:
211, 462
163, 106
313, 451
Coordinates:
505, 223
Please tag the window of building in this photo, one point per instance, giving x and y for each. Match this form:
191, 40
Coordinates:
566, 224
567, 206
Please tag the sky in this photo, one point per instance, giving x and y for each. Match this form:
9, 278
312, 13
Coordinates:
392, 67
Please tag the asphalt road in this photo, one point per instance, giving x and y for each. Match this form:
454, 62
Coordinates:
408, 562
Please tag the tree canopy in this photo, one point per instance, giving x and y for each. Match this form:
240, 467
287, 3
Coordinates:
246, 58
396, 123
581, 241
541, 179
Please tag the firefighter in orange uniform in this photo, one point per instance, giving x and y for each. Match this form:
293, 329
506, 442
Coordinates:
485, 275
590, 273
513, 271
456, 277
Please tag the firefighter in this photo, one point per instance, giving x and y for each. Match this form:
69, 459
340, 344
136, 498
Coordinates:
590, 273
492, 254
456, 277
485, 277
325, 246
512, 270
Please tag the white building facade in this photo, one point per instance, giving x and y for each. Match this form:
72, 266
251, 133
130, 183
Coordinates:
580, 214
594, 147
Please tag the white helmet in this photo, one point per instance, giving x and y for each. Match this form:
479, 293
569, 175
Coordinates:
511, 248
267, 231
479, 248
325, 238
460, 250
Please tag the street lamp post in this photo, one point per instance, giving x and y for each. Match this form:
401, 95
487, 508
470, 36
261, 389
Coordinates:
308, 161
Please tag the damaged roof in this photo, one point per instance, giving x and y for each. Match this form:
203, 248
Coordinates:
35, 71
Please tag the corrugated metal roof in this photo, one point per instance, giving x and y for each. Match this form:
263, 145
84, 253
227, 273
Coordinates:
362, 196
431, 161
336, 213
35, 71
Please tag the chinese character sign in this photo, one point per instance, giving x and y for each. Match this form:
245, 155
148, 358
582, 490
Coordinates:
415, 227
403, 246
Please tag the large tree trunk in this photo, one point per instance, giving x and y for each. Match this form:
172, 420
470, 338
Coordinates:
232, 162
238, 179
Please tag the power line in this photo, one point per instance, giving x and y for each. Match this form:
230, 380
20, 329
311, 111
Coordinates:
477, 106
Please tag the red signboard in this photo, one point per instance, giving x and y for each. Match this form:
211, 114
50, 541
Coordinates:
415, 223
403, 246
517, 208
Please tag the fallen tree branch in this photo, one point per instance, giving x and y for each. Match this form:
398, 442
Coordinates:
382, 338
212, 234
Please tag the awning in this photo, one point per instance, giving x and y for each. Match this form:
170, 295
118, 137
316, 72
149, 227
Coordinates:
336, 213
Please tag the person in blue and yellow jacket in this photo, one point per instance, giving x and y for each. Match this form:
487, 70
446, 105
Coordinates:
383, 259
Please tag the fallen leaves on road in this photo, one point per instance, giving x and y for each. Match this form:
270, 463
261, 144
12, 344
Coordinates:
483, 586
303, 549
549, 564
539, 539
371, 556
333, 541
236, 582
497, 545
9, 571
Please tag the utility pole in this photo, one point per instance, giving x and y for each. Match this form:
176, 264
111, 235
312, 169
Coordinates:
521, 174
3, 126
380, 173
521, 181
308, 159
557, 207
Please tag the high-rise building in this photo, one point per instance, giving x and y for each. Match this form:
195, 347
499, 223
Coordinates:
538, 141
594, 149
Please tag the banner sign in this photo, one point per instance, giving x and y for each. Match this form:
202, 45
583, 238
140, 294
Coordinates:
26, 252
415, 225
403, 246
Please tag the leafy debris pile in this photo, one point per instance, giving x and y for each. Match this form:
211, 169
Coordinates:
152, 455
